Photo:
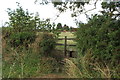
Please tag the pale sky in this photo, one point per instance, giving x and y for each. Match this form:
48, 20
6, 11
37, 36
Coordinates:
45, 11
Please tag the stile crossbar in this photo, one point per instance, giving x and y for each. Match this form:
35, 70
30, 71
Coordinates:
65, 43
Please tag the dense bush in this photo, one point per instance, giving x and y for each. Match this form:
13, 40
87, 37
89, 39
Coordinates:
47, 43
6, 32
101, 35
99, 45
20, 30
21, 38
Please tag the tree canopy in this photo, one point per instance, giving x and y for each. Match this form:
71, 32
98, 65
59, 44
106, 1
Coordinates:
59, 26
101, 35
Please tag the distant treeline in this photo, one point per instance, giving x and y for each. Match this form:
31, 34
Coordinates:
59, 30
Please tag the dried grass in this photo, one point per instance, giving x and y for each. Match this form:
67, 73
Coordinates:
88, 69
104, 72
71, 69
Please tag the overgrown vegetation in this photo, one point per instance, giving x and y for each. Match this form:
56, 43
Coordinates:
29, 54
47, 44
21, 28
24, 52
101, 36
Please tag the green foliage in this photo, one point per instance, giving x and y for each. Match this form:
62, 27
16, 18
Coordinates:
6, 32
21, 27
65, 27
56, 33
97, 42
111, 6
101, 34
25, 64
20, 20
45, 25
59, 26
47, 43
84, 67
22, 38
76, 6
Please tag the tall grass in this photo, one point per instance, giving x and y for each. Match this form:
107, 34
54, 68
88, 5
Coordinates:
71, 69
25, 63
22, 62
86, 67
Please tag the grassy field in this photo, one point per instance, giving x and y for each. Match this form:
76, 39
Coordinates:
69, 35
62, 35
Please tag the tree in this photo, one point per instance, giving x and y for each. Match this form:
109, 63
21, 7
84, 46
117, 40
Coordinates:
59, 26
20, 20
23, 27
101, 36
65, 27
111, 9
77, 6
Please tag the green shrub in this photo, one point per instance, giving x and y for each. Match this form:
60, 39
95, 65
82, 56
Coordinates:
25, 63
101, 35
21, 30
56, 33
47, 43
21, 38
6, 32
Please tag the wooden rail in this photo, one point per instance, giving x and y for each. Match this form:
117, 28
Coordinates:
66, 45
67, 39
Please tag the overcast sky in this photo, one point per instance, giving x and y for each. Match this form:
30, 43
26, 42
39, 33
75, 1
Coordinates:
45, 11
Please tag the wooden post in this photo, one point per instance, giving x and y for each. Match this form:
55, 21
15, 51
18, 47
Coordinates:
65, 46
